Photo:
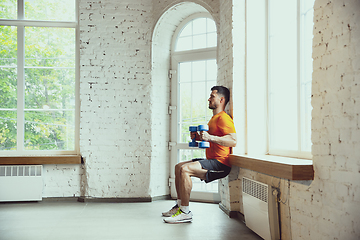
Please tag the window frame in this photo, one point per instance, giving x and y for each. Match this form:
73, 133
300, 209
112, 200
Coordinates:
300, 72
181, 26
175, 141
251, 81
20, 23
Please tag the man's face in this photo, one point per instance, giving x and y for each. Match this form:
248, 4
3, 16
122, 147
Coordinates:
214, 100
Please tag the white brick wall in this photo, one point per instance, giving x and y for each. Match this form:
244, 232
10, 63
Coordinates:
229, 189
115, 93
329, 208
124, 98
61, 180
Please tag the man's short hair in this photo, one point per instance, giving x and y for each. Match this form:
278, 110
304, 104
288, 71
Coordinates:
223, 91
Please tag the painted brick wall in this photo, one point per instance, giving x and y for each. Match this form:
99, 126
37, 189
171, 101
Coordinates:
115, 90
61, 180
225, 78
124, 98
329, 208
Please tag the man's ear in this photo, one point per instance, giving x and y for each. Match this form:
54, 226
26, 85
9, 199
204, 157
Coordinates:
222, 99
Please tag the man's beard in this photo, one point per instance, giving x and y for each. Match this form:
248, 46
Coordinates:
212, 106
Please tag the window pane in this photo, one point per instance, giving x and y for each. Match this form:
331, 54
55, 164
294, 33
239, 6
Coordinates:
185, 111
49, 88
211, 40
8, 132
184, 43
8, 9
49, 130
198, 33
8, 67
283, 75
185, 71
50, 10
49, 71
187, 30
199, 26
211, 70
199, 103
194, 90
210, 25
8, 87
199, 71
49, 47
199, 41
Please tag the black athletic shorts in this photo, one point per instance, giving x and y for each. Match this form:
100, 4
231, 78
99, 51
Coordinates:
216, 169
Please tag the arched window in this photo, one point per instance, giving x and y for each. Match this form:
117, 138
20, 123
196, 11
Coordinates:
194, 72
197, 34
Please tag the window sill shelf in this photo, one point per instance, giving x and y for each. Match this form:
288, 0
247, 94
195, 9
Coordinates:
282, 167
40, 160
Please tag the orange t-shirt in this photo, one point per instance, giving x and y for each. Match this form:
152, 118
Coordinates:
220, 125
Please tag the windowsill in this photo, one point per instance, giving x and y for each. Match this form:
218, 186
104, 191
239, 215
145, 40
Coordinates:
40, 160
282, 167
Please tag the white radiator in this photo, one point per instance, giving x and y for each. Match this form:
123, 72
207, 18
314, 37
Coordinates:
261, 209
21, 183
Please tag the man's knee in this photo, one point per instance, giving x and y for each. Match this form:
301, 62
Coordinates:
190, 168
179, 166
183, 168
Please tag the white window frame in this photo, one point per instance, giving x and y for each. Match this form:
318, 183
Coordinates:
176, 58
251, 80
300, 69
21, 23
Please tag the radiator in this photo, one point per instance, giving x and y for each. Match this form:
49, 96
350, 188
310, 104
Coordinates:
21, 183
261, 209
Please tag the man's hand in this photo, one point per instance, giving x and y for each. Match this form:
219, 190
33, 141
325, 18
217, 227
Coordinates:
204, 136
195, 135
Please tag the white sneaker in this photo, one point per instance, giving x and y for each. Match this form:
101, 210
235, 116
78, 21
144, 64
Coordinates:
171, 211
179, 217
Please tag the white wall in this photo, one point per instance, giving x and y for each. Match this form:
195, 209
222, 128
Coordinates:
329, 208
119, 123
124, 94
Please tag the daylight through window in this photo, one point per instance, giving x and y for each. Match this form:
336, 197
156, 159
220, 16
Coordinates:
38, 77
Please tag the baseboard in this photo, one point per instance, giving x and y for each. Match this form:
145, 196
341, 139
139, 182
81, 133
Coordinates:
106, 200
114, 200
159, 198
123, 200
58, 199
232, 214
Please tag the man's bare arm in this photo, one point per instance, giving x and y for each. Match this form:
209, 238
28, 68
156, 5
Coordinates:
228, 140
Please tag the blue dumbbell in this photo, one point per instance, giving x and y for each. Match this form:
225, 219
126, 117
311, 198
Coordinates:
203, 144
193, 142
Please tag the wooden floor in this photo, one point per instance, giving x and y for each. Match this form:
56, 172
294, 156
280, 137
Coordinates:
69, 220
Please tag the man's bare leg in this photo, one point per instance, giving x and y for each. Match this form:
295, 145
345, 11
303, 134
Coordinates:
177, 177
188, 170
184, 172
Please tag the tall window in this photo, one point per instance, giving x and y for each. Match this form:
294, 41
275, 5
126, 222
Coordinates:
38, 77
289, 76
194, 73
276, 81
